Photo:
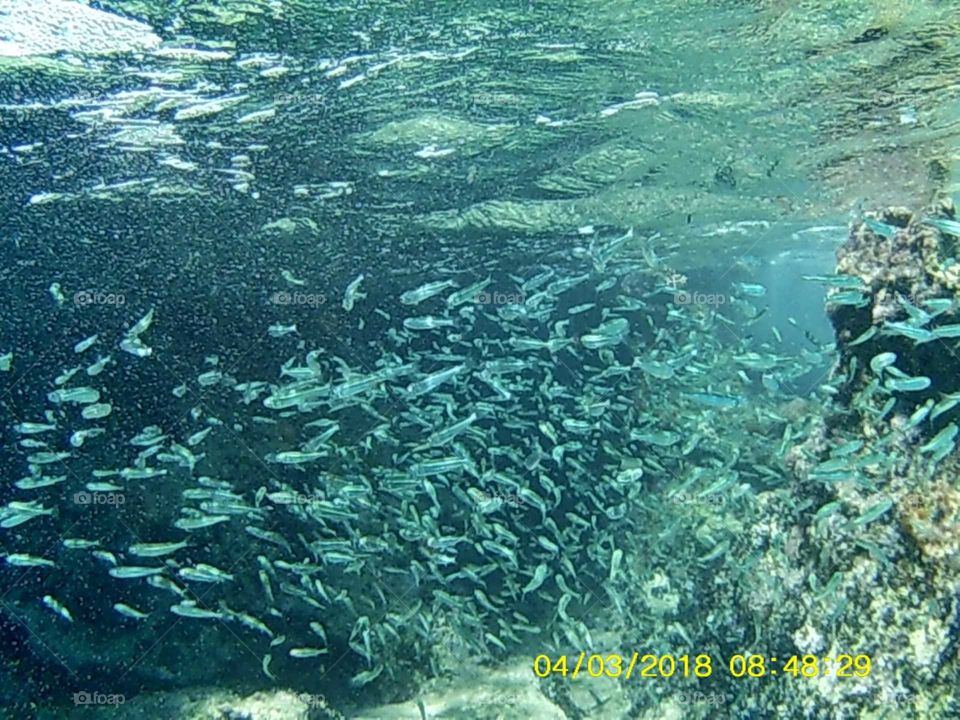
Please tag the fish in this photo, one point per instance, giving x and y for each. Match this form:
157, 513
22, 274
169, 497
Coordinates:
945, 404
257, 116
576, 425
426, 291
874, 512
716, 400
825, 511
851, 282
295, 457
847, 448
191, 524
78, 395
919, 335
150, 435
944, 225
467, 294
134, 346
628, 476
579, 309
917, 317
357, 385
96, 411
204, 573
616, 559
189, 609
156, 549
938, 306
198, 437
48, 458
863, 337
431, 382
126, 572
750, 289
882, 229
508, 440
105, 556
427, 322
718, 550
307, 652
210, 378
58, 607
295, 395
882, 361
253, 623
142, 325
130, 611
562, 285
85, 344
662, 438
656, 369
279, 330
268, 536
31, 428
909, 384
832, 465
946, 331
365, 677
55, 291
103, 487
26, 560
291, 280
854, 298
33, 444
144, 473
79, 543
919, 415
603, 254
441, 437
942, 439
352, 293
439, 466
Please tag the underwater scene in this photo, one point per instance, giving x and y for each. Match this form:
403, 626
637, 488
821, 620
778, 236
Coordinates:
482, 360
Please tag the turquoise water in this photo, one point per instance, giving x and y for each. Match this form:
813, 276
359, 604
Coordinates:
435, 360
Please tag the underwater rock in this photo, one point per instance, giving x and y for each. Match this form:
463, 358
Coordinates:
510, 693
933, 520
212, 704
879, 543
909, 285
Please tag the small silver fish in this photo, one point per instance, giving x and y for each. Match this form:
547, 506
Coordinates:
58, 607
